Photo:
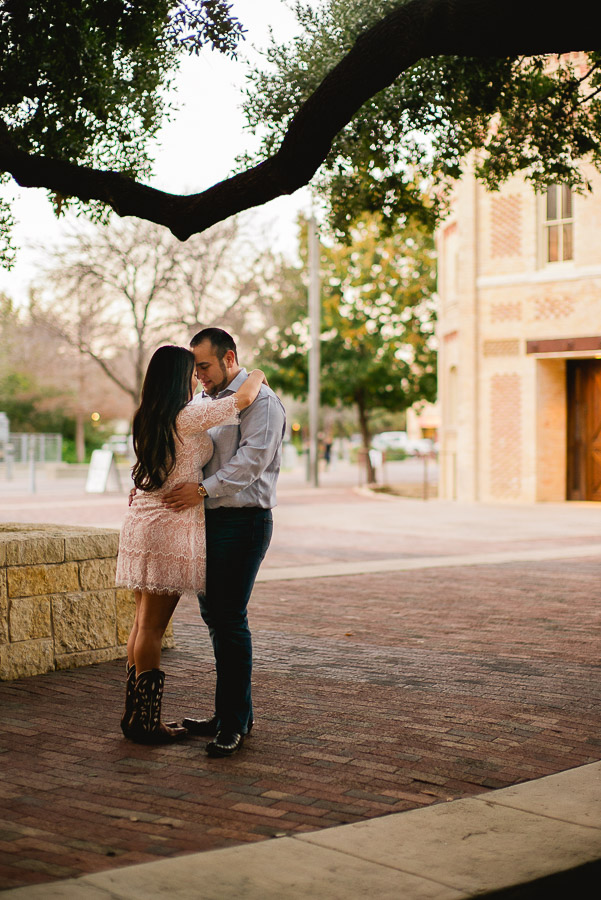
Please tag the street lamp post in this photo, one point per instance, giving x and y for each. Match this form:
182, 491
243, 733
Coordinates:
314, 353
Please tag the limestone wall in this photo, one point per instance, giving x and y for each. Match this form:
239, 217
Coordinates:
59, 607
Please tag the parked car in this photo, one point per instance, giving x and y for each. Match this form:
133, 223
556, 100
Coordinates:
398, 440
390, 440
420, 447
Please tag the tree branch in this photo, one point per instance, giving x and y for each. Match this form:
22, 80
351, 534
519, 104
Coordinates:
418, 29
589, 97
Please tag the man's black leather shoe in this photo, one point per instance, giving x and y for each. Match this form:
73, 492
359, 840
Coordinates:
225, 744
202, 727
206, 727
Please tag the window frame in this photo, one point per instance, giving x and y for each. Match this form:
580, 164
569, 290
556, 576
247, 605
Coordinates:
559, 222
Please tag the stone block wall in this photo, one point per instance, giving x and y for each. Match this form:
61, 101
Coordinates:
59, 607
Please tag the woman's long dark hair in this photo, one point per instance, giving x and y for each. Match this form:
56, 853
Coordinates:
165, 392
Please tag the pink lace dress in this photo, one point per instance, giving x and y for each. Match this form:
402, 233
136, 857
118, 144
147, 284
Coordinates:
161, 550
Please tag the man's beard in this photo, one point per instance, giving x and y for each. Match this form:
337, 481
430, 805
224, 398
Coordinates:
217, 388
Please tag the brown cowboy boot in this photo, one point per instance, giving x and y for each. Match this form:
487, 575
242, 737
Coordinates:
145, 726
130, 690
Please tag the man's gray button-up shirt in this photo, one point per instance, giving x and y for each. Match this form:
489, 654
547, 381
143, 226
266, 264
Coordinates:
244, 468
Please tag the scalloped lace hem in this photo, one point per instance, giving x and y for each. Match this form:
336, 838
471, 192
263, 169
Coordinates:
155, 588
152, 554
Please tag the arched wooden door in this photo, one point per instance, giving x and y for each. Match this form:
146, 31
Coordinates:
584, 429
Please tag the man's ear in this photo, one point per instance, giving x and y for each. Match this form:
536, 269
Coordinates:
230, 359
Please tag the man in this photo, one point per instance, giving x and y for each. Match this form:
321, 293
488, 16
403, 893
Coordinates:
238, 490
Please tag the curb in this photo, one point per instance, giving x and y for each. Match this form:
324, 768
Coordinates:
511, 843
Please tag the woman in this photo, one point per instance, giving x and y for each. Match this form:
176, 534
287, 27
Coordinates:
162, 552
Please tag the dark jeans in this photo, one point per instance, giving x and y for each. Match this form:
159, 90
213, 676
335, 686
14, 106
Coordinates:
237, 541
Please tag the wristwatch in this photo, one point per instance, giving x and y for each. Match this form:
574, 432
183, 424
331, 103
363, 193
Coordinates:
202, 491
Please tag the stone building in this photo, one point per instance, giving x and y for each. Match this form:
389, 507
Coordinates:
520, 344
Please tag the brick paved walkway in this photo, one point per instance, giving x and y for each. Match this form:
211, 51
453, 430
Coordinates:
374, 694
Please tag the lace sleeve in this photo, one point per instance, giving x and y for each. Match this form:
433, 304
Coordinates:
196, 417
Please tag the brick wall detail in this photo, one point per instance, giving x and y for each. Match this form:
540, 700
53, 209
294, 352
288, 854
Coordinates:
506, 312
501, 348
505, 435
551, 307
506, 226
59, 607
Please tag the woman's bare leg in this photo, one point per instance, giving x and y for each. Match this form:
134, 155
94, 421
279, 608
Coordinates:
131, 641
144, 725
152, 617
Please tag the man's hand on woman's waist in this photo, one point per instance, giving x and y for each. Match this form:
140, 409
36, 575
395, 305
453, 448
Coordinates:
183, 496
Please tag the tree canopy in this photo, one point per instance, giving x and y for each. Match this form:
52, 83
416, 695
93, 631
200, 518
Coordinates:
377, 325
87, 83
83, 89
401, 151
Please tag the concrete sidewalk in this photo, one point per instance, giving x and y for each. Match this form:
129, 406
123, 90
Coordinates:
537, 839
428, 703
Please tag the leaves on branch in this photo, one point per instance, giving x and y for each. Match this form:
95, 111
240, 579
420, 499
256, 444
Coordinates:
84, 85
81, 98
196, 25
402, 149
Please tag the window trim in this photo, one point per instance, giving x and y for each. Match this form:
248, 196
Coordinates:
546, 224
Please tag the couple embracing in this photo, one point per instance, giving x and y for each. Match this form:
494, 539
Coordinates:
199, 520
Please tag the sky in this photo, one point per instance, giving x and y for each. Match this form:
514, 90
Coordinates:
196, 149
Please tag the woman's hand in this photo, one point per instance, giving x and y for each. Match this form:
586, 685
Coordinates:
260, 372
249, 390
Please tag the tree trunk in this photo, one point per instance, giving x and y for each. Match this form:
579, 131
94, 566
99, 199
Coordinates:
413, 31
140, 372
370, 472
80, 441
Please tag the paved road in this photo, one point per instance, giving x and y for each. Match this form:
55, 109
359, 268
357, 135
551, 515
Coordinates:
375, 693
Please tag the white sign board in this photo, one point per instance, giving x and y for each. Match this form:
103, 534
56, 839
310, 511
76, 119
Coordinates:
103, 474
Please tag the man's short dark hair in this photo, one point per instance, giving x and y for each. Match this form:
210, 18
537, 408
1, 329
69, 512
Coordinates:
220, 340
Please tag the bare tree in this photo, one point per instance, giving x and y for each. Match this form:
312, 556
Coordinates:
49, 376
223, 278
115, 293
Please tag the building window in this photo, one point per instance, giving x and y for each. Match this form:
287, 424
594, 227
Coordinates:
559, 223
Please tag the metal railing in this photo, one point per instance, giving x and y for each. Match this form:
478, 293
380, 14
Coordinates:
42, 447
